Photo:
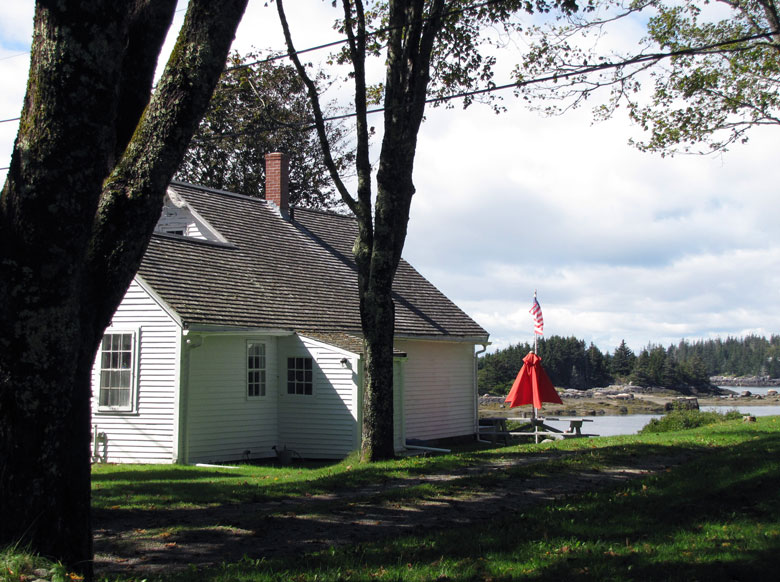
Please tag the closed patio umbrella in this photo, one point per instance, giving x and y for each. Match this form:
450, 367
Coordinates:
533, 386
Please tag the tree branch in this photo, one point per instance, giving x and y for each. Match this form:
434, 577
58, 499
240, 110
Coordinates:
149, 23
311, 88
132, 196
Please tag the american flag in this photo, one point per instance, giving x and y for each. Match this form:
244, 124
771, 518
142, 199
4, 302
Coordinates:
536, 313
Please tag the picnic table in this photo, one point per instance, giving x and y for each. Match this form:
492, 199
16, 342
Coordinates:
495, 428
533, 426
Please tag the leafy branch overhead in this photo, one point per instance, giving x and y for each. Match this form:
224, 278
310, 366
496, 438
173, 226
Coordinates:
704, 74
261, 106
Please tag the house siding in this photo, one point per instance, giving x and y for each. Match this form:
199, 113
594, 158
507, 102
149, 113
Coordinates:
439, 393
148, 433
324, 424
222, 421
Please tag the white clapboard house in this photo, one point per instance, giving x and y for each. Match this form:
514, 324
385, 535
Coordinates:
241, 333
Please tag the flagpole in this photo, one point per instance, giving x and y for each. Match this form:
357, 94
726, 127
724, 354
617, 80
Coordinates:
533, 408
535, 334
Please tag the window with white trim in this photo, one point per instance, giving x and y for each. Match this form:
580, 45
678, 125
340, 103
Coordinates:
299, 376
255, 369
117, 380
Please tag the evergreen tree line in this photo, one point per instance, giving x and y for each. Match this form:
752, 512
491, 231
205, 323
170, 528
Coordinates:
570, 364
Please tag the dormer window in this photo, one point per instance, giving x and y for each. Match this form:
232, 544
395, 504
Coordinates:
179, 219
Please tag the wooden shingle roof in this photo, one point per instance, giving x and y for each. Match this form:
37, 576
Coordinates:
275, 273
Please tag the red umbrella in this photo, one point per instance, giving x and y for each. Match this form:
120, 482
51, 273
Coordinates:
532, 385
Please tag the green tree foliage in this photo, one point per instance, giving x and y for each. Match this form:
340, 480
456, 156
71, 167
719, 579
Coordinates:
597, 370
258, 107
711, 69
497, 371
749, 356
622, 361
683, 367
713, 96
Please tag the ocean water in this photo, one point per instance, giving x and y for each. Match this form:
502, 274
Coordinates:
609, 425
633, 423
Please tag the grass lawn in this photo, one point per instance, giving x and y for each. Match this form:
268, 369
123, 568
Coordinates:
715, 517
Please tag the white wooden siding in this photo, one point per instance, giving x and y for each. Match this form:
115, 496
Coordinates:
148, 434
324, 424
439, 393
221, 421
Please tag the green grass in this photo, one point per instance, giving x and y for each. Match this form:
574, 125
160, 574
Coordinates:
715, 517
685, 419
133, 487
19, 565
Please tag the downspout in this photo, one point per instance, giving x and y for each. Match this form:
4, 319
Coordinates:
476, 394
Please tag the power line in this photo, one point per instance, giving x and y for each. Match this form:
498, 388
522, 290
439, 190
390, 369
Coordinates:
5, 58
583, 70
321, 46
367, 35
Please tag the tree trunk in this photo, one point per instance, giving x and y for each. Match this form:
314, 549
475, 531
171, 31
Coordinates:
81, 199
378, 315
45, 415
378, 248
408, 64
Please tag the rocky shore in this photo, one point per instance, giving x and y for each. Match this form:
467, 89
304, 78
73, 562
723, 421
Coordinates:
741, 381
613, 400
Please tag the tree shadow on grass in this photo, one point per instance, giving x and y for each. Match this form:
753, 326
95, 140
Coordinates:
715, 517
367, 510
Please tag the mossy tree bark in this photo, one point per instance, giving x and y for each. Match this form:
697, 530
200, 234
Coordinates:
413, 26
93, 156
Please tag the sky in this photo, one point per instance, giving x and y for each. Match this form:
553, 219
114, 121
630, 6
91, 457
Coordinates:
618, 244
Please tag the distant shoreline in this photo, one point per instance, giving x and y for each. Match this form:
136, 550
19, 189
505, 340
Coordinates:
621, 400
744, 381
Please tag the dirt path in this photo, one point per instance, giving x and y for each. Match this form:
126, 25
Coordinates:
148, 542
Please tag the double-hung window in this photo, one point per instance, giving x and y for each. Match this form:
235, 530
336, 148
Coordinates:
299, 376
255, 369
117, 378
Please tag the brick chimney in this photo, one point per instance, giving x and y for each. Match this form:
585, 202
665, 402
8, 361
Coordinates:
277, 180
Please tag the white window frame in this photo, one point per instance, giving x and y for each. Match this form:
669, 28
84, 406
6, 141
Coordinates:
262, 371
130, 406
294, 378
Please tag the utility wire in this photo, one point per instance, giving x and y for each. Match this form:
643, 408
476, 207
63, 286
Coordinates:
377, 32
585, 70
285, 55
551, 77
